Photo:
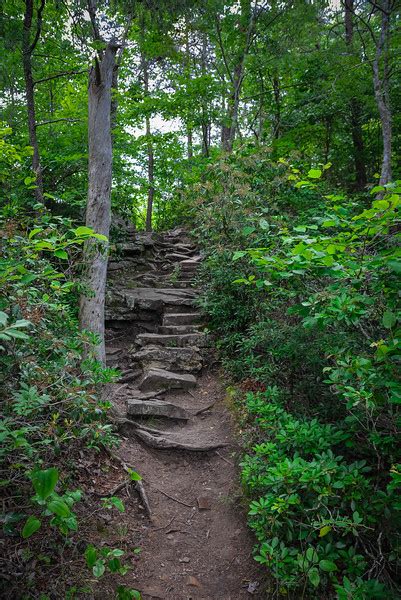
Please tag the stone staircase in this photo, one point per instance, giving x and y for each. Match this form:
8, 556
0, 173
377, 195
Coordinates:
156, 337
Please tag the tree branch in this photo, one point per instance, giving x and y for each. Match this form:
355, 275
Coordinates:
50, 121
38, 26
58, 75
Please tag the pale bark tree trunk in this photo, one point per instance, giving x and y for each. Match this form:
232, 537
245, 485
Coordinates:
190, 140
355, 107
27, 51
205, 118
150, 151
95, 254
381, 89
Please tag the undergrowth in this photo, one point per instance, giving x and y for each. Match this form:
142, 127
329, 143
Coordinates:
302, 292
55, 424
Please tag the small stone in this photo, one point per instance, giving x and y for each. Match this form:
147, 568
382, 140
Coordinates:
204, 503
193, 581
184, 559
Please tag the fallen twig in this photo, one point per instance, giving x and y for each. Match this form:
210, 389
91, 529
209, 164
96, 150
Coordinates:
172, 498
225, 459
202, 410
138, 484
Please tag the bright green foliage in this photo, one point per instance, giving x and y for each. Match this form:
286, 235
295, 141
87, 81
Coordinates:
302, 290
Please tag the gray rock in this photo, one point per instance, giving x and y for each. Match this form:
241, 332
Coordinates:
173, 359
177, 329
124, 304
172, 341
155, 408
156, 379
181, 318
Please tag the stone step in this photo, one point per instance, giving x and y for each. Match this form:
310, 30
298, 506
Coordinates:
186, 360
186, 275
176, 256
169, 309
190, 263
126, 304
159, 379
172, 341
178, 329
155, 408
181, 318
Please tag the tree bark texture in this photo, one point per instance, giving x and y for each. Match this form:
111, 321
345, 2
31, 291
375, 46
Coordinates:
381, 89
150, 151
355, 108
98, 209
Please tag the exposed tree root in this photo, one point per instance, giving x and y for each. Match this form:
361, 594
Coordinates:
159, 440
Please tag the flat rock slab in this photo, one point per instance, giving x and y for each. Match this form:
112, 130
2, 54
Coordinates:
184, 339
181, 318
155, 408
172, 359
125, 304
178, 329
156, 379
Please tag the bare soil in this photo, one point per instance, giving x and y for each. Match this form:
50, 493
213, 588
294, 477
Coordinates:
196, 546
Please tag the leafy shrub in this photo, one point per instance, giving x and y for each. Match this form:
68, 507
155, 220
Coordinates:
53, 414
313, 309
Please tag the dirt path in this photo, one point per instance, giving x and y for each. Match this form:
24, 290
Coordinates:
198, 545
180, 435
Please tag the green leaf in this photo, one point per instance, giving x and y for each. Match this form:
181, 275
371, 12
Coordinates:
90, 556
314, 174
389, 319
79, 231
324, 530
314, 577
44, 482
61, 254
34, 232
134, 476
239, 254
59, 507
394, 265
328, 566
32, 524
117, 503
98, 568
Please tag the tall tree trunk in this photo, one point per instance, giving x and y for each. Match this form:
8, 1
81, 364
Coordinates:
27, 50
277, 107
205, 124
149, 142
247, 25
381, 89
190, 142
355, 107
98, 209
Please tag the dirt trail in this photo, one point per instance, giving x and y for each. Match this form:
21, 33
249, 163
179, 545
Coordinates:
195, 544
198, 545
